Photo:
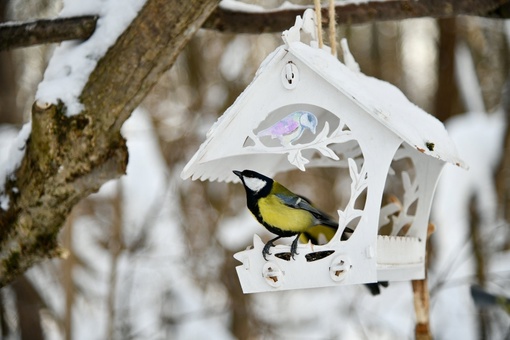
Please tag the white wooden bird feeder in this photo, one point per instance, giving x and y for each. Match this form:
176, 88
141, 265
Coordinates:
392, 150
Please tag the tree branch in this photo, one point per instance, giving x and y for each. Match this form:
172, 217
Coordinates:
67, 158
224, 20
15, 35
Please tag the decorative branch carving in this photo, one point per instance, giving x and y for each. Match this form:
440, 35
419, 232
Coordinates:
398, 211
411, 195
358, 185
225, 20
320, 143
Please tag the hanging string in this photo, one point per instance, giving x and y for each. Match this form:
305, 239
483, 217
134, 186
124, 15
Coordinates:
332, 27
318, 14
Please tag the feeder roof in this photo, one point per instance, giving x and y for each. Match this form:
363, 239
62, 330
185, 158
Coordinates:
383, 101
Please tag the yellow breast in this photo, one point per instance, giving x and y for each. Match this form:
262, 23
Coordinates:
283, 217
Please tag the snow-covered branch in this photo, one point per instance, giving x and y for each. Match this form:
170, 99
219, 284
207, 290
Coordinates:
234, 17
231, 17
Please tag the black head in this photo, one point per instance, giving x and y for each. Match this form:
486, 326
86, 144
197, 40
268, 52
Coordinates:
255, 183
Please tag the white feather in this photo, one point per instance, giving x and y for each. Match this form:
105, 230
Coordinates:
254, 184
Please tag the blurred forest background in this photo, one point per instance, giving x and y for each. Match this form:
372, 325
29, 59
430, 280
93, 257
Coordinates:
150, 255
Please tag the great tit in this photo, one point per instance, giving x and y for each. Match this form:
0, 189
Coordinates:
282, 212
287, 214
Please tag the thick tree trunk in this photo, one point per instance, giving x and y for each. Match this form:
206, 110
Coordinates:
67, 158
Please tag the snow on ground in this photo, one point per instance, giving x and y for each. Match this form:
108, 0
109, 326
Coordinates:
73, 62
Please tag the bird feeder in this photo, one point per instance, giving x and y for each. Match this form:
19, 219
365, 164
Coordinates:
391, 151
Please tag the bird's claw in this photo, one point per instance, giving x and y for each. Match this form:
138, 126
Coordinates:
268, 245
293, 248
265, 251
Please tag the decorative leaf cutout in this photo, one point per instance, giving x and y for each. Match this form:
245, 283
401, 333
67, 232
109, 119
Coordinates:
411, 194
387, 211
328, 152
297, 159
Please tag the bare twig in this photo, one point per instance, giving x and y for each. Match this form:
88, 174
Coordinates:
14, 35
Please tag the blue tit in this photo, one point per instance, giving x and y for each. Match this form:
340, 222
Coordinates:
290, 128
281, 211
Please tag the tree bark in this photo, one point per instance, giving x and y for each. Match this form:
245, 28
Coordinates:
29, 304
46, 31
67, 158
8, 111
447, 94
354, 13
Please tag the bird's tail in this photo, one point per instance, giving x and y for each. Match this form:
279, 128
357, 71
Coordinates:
332, 224
323, 233
375, 288
329, 223
319, 234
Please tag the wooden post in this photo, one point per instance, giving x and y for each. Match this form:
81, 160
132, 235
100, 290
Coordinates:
422, 302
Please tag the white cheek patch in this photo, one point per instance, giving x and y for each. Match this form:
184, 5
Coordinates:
254, 184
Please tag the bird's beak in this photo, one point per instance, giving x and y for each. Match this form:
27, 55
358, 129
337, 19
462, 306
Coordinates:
238, 173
